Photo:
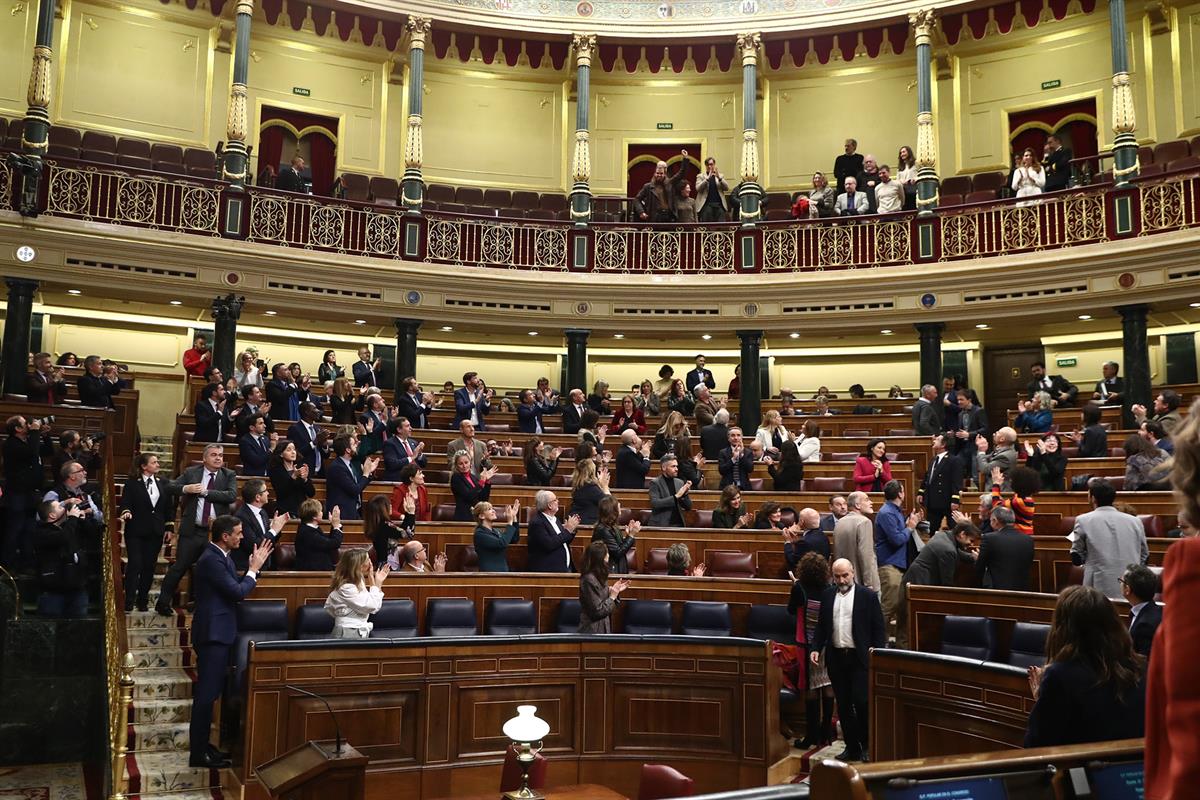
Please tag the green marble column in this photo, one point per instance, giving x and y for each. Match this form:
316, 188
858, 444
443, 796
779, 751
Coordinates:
1125, 146
234, 161
581, 165
751, 193
927, 179
412, 184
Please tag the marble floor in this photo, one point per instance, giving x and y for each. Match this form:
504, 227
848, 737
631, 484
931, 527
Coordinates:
44, 782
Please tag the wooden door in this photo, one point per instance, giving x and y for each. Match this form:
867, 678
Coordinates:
1006, 375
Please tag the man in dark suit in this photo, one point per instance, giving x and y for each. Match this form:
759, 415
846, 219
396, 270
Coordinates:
699, 376
940, 488
254, 449
735, 462
312, 445
414, 404
1139, 584
218, 590
98, 384
212, 414
850, 623
344, 480
1109, 388
847, 165
472, 402
401, 449
45, 384
531, 410
549, 539
573, 411
26, 451
281, 391
715, 438
633, 461
1005, 554
1057, 163
1061, 391
208, 490
669, 495
927, 418
289, 178
146, 505
366, 370
257, 526
252, 403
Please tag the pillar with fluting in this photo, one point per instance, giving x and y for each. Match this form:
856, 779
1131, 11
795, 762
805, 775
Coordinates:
226, 311
1136, 355
412, 184
406, 351
233, 158
581, 164
35, 136
927, 179
931, 351
17, 320
577, 339
750, 194
750, 400
1125, 146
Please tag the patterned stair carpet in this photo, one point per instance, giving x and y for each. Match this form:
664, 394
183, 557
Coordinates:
50, 782
157, 765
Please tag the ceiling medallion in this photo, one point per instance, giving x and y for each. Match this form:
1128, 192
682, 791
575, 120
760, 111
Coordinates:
584, 9
412, 297
583, 307
750, 309
1126, 280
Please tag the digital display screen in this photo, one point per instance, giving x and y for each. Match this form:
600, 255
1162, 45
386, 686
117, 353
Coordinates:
964, 789
1118, 781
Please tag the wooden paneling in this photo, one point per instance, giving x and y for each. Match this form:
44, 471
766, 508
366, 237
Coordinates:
680, 703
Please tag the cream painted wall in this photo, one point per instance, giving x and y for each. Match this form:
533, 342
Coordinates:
1185, 41
17, 30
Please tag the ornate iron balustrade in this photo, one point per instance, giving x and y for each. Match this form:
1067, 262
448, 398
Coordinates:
100, 193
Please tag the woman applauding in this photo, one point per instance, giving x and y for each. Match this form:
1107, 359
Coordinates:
355, 593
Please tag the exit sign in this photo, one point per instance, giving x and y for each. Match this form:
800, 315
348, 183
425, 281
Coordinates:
666, 126
303, 92
1065, 362
1054, 84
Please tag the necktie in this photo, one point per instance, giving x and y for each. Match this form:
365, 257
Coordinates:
152, 491
407, 449
207, 512
850, 202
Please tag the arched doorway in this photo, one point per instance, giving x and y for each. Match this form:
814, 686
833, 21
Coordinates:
1074, 122
283, 134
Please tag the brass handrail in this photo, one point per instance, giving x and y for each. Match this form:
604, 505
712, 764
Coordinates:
118, 660
16, 593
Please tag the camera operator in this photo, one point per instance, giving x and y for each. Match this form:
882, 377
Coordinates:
61, 562
71, 491
45, 384
27, 444
84, 449
198, 358
99, 383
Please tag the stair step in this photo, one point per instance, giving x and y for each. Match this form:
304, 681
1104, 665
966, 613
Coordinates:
162, 684
161, 657
160, 736
161, 711
194, 794
167, 772
148, 638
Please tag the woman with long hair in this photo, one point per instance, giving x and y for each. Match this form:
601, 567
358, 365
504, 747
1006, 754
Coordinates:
673, 427
1029, 179
329, 369
491, 545
629, 416
588, 488
808, 443
729, 513
608, 531
342, 404
789, 475
1025, 483
812, 579
1092, 688
467, 487
771, 434
872, 470
647, 399
691, 465
1146, 467
769, 517
1047, 459
540, 466
380, 530
289, 478
590, 431
247, 373
679, 399
411, 485
355, 593
597, 600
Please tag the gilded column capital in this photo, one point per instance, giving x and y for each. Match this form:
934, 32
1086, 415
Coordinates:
245, 7
923, 22
40, 78
584, 46
414, 150
237, 119
581, 163
1124, 120
418, 29
748, 44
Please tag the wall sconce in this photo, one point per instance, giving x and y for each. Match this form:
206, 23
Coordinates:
526, 732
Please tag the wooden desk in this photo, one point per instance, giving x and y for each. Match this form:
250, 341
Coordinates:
579, 791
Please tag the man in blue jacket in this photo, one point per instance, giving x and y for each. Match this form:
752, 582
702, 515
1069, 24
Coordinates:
893, 538
218, 590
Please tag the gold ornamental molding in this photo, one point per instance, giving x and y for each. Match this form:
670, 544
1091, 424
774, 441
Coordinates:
584, 45
923, 23
418, 30
1124, 120
40, 78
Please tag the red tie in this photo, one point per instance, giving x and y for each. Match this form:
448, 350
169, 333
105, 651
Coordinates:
407, 449
207, 512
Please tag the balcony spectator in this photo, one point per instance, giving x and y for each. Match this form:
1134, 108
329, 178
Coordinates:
1057, 161
868, 179
1110, 387
889, 194
819, 202
655, 201
847, 165
711, 188
852, 202
1029, 179
906, 173
198, 358
685, 204
290, 178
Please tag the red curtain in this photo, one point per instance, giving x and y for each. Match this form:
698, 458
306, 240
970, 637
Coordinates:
323, 161
322, 155
270, 150
641, 173
1074, 122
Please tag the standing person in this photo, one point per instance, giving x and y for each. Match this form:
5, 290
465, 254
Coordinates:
633, 461
329, 369
98, 384
256, 523
804, 602
400, 449
1107, 541
1057, 160
942, 484
735, 462
1029, 179
208, 492
838, 508
699, 375
467, 487
669, 495
317, 551
472, 402
289, 178
597, 600
289, 478
384, 535
61, 560
608, 530
872, 470
655, 201
355, 593
894, 539
936, 565
927, 417
541, 463
366, 369
218, 590
345, 480
1093, 687
412, 484
550, 540
847, 165
711, 188
27, 444
789, 476
854, 540
198, 358
849, 625
491, 545
1005, 554
145, 508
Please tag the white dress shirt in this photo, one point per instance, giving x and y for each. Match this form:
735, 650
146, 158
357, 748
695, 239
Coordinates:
350, 605
203, 499
553, 520
843, 616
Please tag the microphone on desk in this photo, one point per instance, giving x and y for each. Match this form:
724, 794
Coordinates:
337, 747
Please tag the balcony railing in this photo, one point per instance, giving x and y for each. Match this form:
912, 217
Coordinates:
1088, 215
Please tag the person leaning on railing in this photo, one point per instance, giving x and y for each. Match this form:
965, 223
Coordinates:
818, 203
889, 194
711, 189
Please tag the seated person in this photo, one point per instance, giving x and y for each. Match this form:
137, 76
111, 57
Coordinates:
1152, 431
1035, 415
1093, 439
1146, 467
679, 562
414, 557
1062, 392
1139, 585
1109, 388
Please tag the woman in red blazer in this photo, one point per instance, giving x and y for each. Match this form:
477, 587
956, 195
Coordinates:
872, 469
628, 416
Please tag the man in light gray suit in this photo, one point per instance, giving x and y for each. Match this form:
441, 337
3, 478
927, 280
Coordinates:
669, 496
1107, 541
1003, 455
927, 419
209, 489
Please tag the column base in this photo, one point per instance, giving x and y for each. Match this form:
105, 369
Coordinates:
581, 204
927, 192
412, 191
750, 196
1125, 159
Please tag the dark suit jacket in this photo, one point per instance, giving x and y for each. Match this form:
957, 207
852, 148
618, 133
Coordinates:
396, 458
546, 547
977, 423
693, 379
289, 491
1072, 709
866, 623
148, 521
1057, 384
631, 469
491, 546
364, 375
40, 389
1058, 169
940, 488
222, 496
570, 419
218, 590
211, 425
713, 439
1005, 559
1145, 626
306, 447
242, 420
527, 416
252, 533
280, 393
725, 467
254, 455
97, 392
315, 551
463, 406
288, 180
343, 489
414, 410
467, 495
24, 470
1117, 387
927, 418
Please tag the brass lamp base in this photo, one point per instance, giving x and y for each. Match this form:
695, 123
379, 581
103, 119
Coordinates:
523, 794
